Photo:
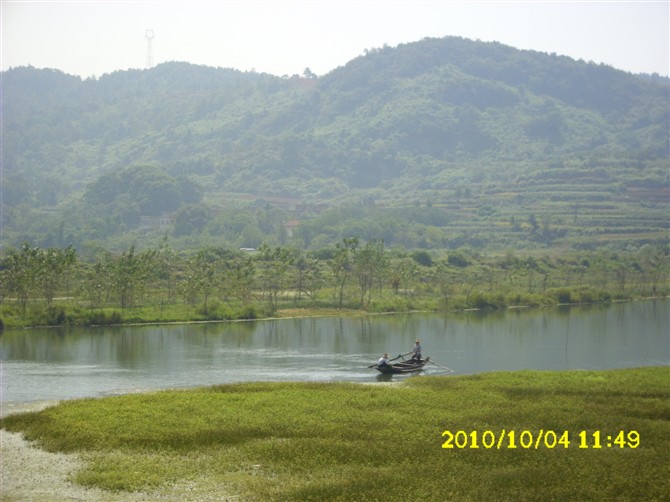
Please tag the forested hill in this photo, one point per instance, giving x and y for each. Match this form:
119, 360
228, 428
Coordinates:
438, 121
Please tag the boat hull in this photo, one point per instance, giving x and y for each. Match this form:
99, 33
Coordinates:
403, 367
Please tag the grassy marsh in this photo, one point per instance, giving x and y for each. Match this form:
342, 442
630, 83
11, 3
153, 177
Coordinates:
339, 441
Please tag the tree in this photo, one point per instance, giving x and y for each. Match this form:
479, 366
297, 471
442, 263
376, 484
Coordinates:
273, 265
235, 274
125, 210
307, 276
33, 270
342, 264
98, 281
191, 219
405, 271
653, 261
191, 190
202, 276
445, 278
104, 189
52, 267
422, 258
131, 272
19, 273
154, 190
369, 264
149, 187
165, 276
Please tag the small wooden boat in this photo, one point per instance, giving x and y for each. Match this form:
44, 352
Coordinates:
403, 367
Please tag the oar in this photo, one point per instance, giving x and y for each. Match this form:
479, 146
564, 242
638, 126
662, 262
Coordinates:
402, 355
399, 355
440, 366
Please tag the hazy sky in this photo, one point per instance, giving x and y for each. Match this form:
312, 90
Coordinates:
90, 38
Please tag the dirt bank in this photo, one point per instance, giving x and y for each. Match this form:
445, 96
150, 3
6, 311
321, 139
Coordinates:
30, 474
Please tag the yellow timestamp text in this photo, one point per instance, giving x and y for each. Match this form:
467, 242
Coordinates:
527, 439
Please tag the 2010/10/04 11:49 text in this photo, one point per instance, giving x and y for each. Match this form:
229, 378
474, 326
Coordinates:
526, 439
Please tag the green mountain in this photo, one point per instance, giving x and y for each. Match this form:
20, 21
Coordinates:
435, 144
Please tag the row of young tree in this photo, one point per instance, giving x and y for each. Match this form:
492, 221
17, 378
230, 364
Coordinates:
352, 274
164, 277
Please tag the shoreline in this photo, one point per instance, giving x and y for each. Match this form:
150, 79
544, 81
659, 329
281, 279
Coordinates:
13, 407
327, 312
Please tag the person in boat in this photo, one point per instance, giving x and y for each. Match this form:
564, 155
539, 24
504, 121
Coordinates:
383, 360
416, 351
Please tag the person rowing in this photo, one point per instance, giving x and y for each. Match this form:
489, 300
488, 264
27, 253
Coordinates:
383, 360
416, 351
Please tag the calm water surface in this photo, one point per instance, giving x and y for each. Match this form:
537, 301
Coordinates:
46, 364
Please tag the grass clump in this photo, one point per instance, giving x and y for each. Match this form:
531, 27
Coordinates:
340, 441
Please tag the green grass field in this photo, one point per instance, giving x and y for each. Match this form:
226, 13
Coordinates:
339, 441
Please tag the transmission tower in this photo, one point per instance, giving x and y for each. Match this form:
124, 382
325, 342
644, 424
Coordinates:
149, 35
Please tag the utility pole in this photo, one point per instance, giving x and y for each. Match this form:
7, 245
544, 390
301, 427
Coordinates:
149, 35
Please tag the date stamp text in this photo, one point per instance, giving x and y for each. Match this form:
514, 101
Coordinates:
527, 439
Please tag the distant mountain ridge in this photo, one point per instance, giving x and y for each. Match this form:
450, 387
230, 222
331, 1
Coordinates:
445, 114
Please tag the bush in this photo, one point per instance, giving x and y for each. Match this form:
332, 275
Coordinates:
215, 311
422, 258
51, 315
457, 260
483, 301
563, 295
102, 318
526, 300
391, 305
589, 295
248, 312
582, 295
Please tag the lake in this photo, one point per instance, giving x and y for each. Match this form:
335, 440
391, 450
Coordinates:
55, 364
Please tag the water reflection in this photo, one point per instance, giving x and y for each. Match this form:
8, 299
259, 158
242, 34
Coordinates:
64, 363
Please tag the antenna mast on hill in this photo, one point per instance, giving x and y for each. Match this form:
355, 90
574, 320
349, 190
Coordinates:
149, 35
